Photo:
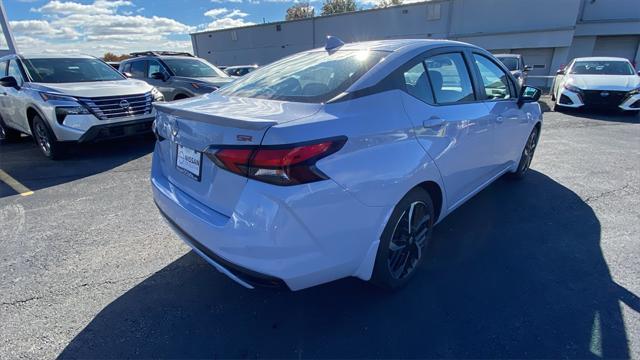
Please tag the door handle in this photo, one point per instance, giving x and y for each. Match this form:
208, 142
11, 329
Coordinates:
499, 119
433, 122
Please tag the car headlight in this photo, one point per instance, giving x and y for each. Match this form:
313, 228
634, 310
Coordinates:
63, 111
573, 88
635, 91
56, 97
157, 95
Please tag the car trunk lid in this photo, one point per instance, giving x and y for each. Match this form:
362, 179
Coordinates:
212, 121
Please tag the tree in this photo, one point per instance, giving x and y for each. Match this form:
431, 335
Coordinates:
338, 6
113, 57
387, 3
300, 11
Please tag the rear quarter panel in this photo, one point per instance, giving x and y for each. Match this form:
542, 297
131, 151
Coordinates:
381, 160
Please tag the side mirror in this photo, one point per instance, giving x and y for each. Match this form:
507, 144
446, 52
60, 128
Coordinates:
159, 76
528, 68
529, 94
560, 72
638, 72
9, 81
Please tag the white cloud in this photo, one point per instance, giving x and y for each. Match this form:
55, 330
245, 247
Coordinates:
225, 18
69, 26
216, 12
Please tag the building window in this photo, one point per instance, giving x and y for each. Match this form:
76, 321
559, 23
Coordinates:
234, 35
433, 12
278, 27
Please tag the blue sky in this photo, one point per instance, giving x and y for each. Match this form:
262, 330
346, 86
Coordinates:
122, 26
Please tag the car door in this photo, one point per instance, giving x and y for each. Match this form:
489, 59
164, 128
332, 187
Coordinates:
449, 121
154, 66
501, 99
14, 113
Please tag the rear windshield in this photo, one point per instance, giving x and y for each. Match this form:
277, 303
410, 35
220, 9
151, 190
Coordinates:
63, 70
602, 68
308, 77
193, 68
510, 62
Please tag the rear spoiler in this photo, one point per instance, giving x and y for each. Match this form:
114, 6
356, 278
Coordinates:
240, 122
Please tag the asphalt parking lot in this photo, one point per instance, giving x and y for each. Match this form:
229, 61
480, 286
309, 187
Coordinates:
548, 267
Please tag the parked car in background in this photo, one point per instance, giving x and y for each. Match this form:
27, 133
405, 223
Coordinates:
597, 82
238, 71
515, 64
177, 75
114, 64
63, 99
339, 161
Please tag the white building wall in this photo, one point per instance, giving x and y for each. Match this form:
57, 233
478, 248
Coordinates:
550, 32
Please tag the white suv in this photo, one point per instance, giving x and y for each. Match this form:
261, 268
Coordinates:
65, 99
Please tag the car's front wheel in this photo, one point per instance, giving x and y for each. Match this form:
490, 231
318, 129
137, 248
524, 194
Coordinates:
527, 155
404, 240
46, 140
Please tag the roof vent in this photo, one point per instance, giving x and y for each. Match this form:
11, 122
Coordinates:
333, 43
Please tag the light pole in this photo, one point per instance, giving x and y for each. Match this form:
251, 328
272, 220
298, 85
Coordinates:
6, 31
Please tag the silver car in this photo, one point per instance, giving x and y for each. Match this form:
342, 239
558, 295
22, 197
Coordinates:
177, 75
515, 64
66, 99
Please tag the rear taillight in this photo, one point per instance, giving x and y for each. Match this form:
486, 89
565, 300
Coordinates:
281, 165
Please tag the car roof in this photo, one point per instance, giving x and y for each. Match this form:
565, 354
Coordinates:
55, 56
508, 55
396, 44
601, 58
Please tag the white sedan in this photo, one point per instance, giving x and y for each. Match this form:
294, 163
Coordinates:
339, 161
597, 82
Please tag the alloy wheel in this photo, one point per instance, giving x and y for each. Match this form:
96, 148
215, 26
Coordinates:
408, 240
42, 138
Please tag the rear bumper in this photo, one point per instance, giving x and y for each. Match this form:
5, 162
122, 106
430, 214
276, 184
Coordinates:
298, 236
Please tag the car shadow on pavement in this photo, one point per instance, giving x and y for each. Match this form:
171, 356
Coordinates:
517, 272
23, 161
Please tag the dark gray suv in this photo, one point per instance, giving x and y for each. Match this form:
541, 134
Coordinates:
177, 75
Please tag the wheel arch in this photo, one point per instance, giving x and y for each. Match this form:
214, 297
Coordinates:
436, 194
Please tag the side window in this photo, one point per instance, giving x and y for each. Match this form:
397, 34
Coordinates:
3, 69
494, 80
14, 70
126, 68
154, 67
417, 84
138, 69
449, 78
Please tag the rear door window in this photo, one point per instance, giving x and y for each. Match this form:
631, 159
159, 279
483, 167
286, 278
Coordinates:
449, 79
417, 84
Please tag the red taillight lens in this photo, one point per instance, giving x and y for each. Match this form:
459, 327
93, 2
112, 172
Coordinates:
280, 165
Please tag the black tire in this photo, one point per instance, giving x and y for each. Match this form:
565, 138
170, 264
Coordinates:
527, 155
45, 139
394, 268
8, 134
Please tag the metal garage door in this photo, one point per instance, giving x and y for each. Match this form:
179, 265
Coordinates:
619, 46
540, 59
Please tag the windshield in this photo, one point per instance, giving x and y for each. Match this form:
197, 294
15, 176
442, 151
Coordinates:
308, 77
602, 68
193, 68
510, 62
63, 70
